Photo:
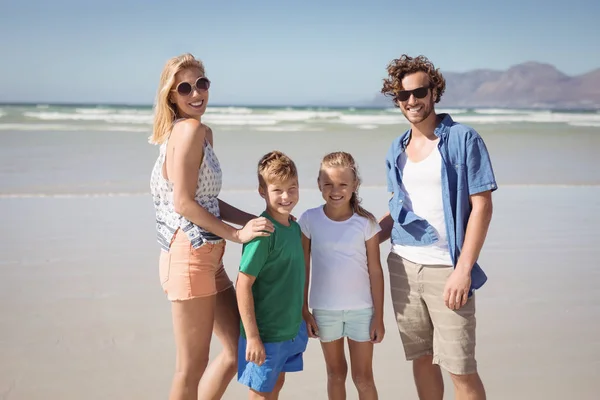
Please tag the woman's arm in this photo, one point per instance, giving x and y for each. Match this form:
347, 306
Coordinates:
228, 212
187, 140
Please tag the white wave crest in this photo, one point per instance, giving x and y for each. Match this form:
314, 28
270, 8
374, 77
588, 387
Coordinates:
288, 128
73, 128
228, 110
500, 111
123, 118
453, 111
371, 119
533, 117
93, 111
272, 117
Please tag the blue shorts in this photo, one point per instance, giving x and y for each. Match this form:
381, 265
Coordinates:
281, 357
336, 324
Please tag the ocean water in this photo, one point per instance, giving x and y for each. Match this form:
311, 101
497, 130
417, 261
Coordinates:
58, 150
43, 117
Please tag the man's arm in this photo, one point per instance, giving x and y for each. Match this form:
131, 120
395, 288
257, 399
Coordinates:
385, 223
456, 292
255, 350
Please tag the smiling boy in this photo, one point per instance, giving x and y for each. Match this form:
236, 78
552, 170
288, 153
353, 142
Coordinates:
270, 287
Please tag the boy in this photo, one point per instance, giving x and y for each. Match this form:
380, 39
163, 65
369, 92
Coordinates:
270, 287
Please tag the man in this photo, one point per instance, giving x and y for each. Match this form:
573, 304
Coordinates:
441, 179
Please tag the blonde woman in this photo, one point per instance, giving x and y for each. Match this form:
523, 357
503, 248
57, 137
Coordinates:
192, 231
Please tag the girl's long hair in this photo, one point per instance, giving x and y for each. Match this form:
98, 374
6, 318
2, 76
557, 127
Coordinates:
165, 112
345, 160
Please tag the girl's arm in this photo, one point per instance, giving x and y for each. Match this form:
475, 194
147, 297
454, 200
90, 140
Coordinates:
188, 149
311, 325
376, 278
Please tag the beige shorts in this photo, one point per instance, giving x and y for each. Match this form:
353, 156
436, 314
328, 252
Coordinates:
187, 273
426, 325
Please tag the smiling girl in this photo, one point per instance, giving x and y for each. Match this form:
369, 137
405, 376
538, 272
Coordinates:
346, 293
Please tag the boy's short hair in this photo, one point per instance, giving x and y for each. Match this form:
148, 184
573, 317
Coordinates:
275, 166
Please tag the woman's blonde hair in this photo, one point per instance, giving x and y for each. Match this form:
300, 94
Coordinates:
340, 159
165, 112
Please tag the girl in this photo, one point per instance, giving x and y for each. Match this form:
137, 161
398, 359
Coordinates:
346, 292
185, 183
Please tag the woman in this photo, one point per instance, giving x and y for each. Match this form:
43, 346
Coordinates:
186, 181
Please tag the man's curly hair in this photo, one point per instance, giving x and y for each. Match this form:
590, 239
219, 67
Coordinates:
405, 65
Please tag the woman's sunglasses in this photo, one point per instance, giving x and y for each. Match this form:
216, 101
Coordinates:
419, 93
185, 88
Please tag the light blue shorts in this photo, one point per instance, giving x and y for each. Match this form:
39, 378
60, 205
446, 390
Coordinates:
281, 357
336, 324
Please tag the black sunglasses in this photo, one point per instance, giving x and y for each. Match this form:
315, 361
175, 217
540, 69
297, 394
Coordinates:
419, 93
185, 88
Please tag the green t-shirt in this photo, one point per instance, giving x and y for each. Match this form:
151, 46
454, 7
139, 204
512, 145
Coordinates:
277, 262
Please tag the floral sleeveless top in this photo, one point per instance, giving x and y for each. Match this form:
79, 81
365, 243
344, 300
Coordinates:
207, 191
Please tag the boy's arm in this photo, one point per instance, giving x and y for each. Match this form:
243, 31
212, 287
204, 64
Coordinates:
311, 325
376, 279
255, 350
254, 257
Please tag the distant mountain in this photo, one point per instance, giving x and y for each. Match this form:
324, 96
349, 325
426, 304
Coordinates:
527, 85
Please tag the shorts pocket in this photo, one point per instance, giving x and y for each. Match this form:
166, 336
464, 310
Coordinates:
164, 266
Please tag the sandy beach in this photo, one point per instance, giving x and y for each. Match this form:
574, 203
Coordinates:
82, 314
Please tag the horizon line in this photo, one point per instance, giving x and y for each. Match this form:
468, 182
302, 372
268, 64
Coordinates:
329, 106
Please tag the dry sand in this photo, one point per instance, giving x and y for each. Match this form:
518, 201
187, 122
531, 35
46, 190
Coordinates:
82, 315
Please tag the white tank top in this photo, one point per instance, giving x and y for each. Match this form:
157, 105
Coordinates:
207, 191
422, 183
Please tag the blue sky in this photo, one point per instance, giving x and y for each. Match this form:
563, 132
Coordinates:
275, 52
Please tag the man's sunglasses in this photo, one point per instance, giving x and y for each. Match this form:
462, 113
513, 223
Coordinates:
185, 88
419, 93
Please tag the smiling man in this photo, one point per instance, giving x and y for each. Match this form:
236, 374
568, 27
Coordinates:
441, 179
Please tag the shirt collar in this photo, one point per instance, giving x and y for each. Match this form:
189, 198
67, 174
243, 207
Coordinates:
440, 131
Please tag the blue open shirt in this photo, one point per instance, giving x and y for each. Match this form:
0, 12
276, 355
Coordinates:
466, 170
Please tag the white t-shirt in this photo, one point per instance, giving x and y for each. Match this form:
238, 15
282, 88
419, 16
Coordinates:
422, 183
339, 273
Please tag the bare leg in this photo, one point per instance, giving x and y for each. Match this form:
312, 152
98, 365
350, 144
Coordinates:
361, 364
222, 369
337, 369
468, 387
192, 326
274, 395
428, 378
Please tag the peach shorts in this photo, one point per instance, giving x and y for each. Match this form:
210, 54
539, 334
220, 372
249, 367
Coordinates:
187, 273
